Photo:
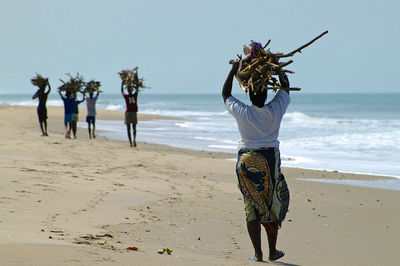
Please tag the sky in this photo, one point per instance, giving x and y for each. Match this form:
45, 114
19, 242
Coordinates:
185, 46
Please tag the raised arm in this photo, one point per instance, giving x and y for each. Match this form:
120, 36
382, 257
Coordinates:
62, 96
36, 94
284, 80
227, 89
83, 98
48, 84
122, 87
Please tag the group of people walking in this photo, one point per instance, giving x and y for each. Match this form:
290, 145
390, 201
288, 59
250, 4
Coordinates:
71, 110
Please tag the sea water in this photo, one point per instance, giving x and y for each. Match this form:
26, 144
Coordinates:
357, 133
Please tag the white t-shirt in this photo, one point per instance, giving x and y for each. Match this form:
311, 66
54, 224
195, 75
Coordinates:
259, 127
91, 106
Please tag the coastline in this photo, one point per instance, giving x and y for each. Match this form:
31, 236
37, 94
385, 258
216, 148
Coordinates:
157, 196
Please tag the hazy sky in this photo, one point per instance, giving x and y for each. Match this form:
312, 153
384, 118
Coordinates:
184, 46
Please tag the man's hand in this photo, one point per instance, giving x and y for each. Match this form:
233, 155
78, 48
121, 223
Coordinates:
235, 67
227, 89
284, 81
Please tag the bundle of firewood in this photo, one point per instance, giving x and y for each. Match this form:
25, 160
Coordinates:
260, 67
130, 79
39, 81
73, 85
92, 86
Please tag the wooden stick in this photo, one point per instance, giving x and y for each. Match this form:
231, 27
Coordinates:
283, 64
267, 44
304, 46
278, 87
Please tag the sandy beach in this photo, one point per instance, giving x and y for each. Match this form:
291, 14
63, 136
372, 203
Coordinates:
101, 202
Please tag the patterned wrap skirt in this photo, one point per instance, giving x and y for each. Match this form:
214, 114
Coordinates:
262, 184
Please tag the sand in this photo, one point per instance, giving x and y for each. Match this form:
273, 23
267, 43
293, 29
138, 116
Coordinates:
84, 202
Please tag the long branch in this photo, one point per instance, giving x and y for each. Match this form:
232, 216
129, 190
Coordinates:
304, 46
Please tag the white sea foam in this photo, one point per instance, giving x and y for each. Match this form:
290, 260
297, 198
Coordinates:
390, 184
182, 113
114, 107
228, 148
317, 132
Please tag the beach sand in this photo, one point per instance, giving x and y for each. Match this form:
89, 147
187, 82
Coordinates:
84, 202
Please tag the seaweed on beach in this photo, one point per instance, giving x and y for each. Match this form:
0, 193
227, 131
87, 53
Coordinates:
260, 67
39, 81
92, 86
73, 85
130, 79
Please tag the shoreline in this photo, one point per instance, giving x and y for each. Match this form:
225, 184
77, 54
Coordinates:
112, 115
62, 199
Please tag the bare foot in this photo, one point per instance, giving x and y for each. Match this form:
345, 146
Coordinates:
276, 255
256, 259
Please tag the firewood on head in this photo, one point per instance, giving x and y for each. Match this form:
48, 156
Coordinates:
130, 79
260, 65
73, 85
92, 86
39, 81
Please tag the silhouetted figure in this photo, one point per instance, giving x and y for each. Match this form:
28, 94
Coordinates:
41, 109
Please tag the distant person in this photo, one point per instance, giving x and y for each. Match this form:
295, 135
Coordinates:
91, 113
41, 109
264, 189
69, 102
75, 114
131, 111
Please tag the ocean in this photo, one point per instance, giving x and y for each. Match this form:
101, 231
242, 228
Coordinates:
355, 133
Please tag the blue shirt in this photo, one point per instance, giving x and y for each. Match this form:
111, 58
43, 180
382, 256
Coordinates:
76, 103
68, 105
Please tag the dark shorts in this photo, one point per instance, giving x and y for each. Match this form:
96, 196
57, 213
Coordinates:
90, 119
42, 114
67, 118
75, 117
131, 118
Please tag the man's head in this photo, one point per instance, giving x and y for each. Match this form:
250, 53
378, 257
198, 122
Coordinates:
258, 98
130, 89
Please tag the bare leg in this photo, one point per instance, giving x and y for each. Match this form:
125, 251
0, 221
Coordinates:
94, 127
272, 234
134, 134
45, 128
42, 128
68, 128
74, 128
90, 131
128, 129
254, 230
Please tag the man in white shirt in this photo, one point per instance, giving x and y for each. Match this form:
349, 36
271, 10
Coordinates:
91, 113
264, 189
